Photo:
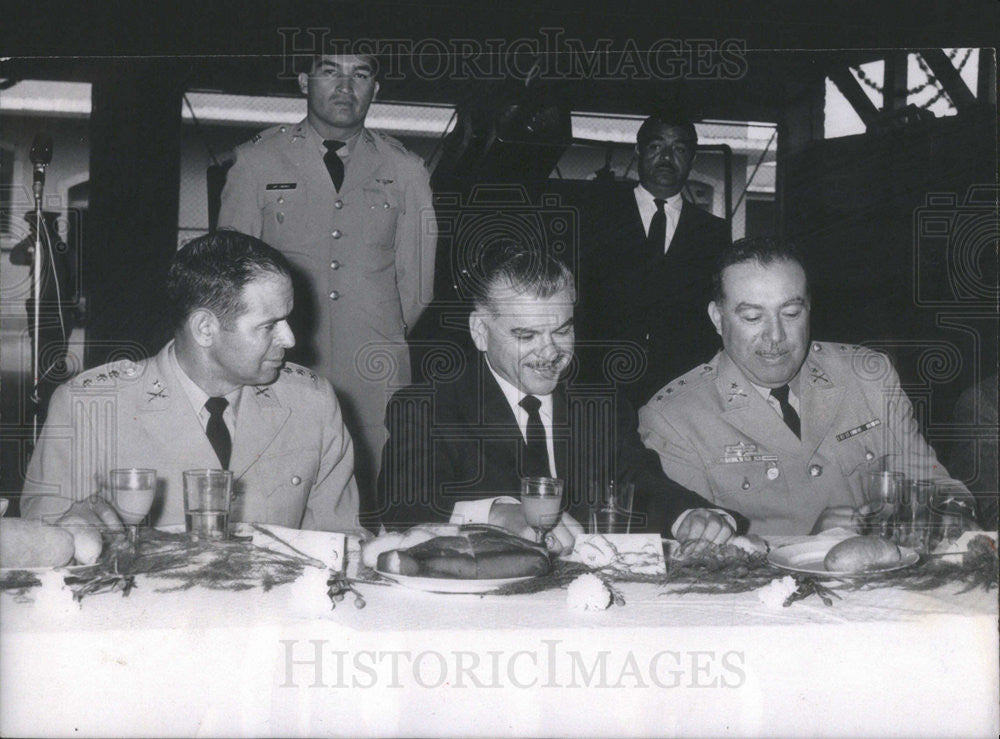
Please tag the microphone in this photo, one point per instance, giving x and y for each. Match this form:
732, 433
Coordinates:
41, 155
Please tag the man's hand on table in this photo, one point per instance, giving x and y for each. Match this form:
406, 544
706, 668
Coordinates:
558, 541
97, 513
700, 529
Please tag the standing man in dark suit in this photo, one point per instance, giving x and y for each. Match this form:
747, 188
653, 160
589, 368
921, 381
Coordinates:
473, 431
351, 209
647, 266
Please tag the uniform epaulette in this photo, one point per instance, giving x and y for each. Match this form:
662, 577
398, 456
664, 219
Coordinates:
396, 144
693, 378
267, 133
296, 371
108, 374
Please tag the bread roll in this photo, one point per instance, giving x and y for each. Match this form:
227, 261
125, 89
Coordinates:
33, 544
87, 542
861, 553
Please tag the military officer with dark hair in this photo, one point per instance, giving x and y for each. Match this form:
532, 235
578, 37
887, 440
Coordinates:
777, 427
351, 210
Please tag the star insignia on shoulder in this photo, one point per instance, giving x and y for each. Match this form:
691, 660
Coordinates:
113, 374
88, 382
668, 390
287, 370
312, 375
102, 377
384, 181
659, 397
734, 386
682, 382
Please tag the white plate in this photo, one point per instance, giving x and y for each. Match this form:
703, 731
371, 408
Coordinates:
448, 585
807, 558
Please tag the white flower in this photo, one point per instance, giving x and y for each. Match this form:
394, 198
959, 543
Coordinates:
53, 597
588, 593
776, 592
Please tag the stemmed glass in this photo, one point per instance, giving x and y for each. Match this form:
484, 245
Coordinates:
132, 493
541, 503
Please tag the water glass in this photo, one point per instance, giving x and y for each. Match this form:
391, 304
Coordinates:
611, 512
208, 495
882, 491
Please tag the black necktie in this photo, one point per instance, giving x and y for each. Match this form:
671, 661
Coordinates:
536, 455
216, 430
791, 417
334, 164
657, 236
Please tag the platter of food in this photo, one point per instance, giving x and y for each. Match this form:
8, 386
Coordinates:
449, 585
854, 557
455, 559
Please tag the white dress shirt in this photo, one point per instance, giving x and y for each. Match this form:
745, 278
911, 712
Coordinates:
514, 397
793, 398
647, 209
197, 396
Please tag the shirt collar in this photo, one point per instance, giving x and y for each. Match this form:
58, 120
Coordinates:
793, 387
514, 395
674, 202
195, 394
345, 151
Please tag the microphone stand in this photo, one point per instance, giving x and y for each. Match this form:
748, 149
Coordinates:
39, 187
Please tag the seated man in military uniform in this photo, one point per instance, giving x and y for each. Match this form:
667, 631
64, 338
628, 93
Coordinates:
775, 427
218, 395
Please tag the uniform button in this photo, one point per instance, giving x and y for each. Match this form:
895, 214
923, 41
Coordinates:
283, 129
773, 473
815, 470
280, 217
334, 264
281, 198
385, 205
336, 233
334, 295
869, 455
338, 204
296, 479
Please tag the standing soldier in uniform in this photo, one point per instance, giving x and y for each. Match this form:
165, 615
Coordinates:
351, 209
775, 427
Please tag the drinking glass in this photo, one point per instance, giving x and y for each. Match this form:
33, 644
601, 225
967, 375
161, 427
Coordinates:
881, 492
208, 495
132, 493
611, 513
541, 503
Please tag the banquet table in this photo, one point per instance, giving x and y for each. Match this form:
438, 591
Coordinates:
202, 662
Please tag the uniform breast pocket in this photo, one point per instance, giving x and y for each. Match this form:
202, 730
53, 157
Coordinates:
859, 455
740, 486
289, 474
283, 217
383, 207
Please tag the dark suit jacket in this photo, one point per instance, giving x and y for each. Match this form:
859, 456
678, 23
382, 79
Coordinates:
457, 439
643, 321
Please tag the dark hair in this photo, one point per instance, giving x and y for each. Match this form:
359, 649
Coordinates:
307, 62
524, 268
665, 118
763, 250
211, 271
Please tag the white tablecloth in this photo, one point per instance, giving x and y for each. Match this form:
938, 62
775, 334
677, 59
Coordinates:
209, 663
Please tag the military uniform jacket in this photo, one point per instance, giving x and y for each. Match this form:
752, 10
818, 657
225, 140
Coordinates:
364, 256
292, 458
717, 435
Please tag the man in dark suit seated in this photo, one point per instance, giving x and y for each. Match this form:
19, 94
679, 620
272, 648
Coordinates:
472, 431
646, 267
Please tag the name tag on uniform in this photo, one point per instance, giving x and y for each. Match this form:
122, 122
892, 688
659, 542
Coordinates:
281, 186
851, 433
